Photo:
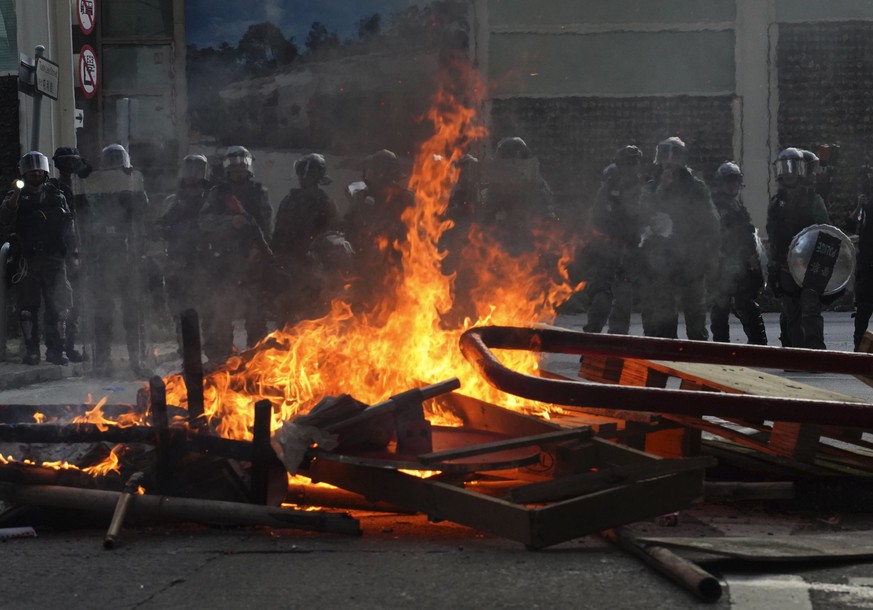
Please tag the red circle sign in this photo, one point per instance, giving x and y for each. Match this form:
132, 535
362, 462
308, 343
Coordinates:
88, 71
86, 11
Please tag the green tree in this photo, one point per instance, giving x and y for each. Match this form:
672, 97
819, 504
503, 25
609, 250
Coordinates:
369, 27
263, 47
320, 38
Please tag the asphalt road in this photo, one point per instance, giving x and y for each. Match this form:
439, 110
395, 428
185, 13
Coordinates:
404, 561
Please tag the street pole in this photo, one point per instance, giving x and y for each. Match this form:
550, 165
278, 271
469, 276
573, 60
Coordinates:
37, 104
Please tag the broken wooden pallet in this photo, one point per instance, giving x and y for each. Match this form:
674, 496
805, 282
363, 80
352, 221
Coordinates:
579, 487
674, 435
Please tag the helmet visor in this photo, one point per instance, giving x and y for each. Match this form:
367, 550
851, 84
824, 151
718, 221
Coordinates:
790, 167
194, 168
33, 162
669, 154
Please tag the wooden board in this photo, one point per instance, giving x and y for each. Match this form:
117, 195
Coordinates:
799, 442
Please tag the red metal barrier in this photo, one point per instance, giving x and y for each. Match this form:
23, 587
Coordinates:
476, 344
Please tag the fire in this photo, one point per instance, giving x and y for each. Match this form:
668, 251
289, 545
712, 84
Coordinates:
39, 417
110, 464
95, 416
373, 356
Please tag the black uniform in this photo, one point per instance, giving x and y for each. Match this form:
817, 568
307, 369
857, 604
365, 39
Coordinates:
790, 211
73, 190
863, 225
463, 210
679, 247
113, 242
375, 230
253, 199
179, 227
233, 252
303, 215
40, 227
739, 278
610, 253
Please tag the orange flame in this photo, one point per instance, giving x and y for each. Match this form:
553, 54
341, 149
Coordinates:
96, 416
110, 464
375, 356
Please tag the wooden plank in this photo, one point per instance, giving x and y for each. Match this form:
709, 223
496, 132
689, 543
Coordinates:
613, 507
513, 443
439, 501
589, 482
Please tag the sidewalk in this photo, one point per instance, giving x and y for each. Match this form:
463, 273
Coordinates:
14, 374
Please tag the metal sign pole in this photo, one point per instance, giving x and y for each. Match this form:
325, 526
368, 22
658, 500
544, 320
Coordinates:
37, 105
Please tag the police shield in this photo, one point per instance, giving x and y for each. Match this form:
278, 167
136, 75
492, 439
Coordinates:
821, 258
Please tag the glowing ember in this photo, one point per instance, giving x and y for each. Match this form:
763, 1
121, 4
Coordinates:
374, 356
39, 417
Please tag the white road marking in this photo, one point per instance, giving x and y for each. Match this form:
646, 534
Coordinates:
791, 592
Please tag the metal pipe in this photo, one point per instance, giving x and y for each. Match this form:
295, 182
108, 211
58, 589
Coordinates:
121, 509
475, 344
681, 571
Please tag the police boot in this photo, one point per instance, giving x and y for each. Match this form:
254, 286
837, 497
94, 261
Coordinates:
756, 332
70, 345
134, 353
55, 339
863, 312
30, 334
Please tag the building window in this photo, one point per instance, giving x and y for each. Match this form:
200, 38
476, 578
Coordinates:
137, 18
8, 35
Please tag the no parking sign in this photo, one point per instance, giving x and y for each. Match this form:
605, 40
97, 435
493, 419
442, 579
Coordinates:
88, 71
86, 10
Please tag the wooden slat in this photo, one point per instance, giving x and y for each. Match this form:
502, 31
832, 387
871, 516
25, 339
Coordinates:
513, 443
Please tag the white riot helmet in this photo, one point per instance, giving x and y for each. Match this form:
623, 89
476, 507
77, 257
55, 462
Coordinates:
33, 161
114, 156
671, 151
194, 167
236, 156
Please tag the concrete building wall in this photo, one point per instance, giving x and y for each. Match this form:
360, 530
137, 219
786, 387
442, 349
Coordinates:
581, 78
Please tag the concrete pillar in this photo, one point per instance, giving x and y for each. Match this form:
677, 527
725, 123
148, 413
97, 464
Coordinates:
755, 112
63, 120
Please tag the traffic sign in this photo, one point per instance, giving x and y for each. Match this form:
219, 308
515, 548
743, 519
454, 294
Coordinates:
86, 11
89, 76
47, 77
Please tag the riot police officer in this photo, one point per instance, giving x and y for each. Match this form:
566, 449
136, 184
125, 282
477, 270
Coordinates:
862, 221
240, 194
306, 212
613, 236
517, 197
36, 216
72, 169
178, 226
114, 243
794, 207
739, 278
375, 228
233, 254
463, 212
679, 245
